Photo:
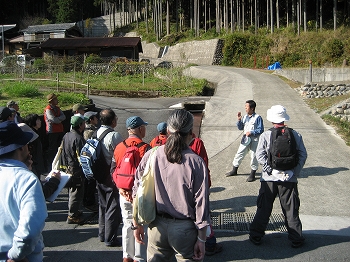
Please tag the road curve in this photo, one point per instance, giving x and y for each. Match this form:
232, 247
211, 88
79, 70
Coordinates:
325, 180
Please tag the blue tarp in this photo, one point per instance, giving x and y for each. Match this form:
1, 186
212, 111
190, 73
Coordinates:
274, 66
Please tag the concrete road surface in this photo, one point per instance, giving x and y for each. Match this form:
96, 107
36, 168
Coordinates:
323, 184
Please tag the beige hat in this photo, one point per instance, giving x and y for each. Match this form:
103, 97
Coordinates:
78, 107
50, 97
277, 114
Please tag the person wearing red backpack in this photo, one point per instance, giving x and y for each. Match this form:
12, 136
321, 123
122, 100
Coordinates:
162, 137
197, 146
132, 251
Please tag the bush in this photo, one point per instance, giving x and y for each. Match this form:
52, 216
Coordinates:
72, 98
40, 64
333, 49
19, 89
93, 59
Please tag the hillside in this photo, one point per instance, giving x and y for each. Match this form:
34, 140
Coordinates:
327, 48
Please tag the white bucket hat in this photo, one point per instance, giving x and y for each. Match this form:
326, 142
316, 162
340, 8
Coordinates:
277, 114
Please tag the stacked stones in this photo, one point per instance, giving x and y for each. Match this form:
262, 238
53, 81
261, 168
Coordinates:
323, 90
342, 111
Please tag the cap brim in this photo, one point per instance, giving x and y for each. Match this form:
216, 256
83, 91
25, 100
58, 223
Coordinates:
26, 128
25, 139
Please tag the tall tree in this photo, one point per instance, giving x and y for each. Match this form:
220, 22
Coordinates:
335, 14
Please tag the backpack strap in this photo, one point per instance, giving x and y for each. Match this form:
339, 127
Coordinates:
102, 136
138, 145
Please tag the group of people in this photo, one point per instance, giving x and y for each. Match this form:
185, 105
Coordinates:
181, 173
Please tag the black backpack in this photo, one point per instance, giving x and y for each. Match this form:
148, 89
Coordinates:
283, 153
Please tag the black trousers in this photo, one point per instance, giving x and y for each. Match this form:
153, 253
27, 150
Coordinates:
290, 202
109, 211
54, 141
89, 192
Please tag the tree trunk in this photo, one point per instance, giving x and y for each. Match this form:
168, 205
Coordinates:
243, 13
167, 18
226, 15
304, 11
146, 15
335, 14
271, 9
298, 16
321, 15
277, 14
217, 16
267, 14
256, 17
232, 17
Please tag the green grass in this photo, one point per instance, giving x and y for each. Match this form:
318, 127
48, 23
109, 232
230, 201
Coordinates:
31, 100
19, 89
31, 93
322, 104
170, 82
342, 127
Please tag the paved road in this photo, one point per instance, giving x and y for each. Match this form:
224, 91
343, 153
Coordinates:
323, 185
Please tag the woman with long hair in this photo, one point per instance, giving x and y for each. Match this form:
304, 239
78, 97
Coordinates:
182, 196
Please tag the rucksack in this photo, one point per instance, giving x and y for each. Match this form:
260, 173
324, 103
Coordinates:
124, 173
283, 152
92, 159
159, 141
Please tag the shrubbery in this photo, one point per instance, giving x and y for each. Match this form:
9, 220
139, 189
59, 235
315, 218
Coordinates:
20, 89
323, 48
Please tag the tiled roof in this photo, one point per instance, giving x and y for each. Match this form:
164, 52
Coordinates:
88, 42
48, 28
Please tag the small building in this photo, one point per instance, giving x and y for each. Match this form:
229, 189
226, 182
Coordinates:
128, 47
16, 45
34, 35
7, 32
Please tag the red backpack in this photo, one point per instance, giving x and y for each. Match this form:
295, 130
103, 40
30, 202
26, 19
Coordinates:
124, 173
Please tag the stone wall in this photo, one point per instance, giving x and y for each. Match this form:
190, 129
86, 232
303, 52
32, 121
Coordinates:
323, 90
341, 110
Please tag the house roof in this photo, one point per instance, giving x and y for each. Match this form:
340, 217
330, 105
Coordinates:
88, 42
7, 27
17, 39
48, 28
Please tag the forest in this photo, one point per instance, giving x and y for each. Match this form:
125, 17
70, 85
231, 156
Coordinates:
197, 15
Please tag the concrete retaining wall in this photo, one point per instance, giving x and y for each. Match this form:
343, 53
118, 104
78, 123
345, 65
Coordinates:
319, 75
205, 52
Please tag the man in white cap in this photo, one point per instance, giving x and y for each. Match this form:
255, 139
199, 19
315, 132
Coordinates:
22, 206
277, 180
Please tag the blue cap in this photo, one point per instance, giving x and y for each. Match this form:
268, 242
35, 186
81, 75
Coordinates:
134, 122
161, 127
12, 137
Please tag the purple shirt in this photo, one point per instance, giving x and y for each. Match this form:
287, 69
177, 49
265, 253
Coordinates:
181, 190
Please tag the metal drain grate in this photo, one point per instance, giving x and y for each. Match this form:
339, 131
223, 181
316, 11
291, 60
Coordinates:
240, 221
